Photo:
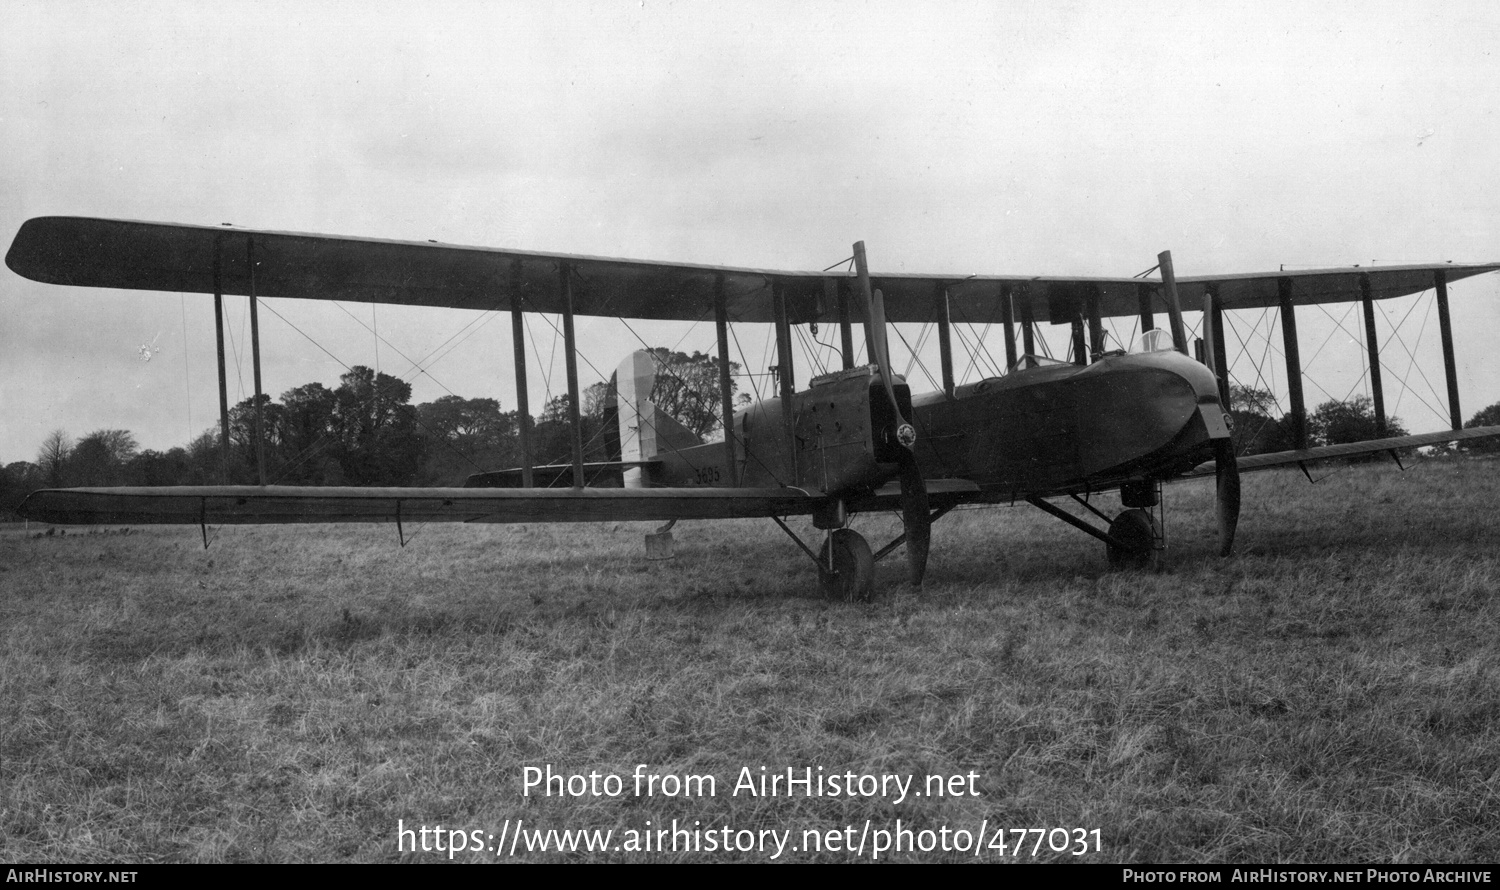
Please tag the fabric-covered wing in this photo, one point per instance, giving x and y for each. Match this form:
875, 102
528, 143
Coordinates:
87, 252
239, 505
1351, 449
1311, 286
183, 258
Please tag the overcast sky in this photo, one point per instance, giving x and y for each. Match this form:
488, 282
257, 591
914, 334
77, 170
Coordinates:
1043, 138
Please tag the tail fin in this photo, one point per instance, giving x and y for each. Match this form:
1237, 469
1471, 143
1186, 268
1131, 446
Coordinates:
645, 429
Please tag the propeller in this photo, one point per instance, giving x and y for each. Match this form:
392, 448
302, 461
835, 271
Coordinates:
915, 512
915, 516
1227, 475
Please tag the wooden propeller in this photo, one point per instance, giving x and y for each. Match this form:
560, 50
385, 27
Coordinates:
915, 512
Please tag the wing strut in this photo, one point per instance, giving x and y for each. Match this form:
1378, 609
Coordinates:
1293, 363
1143, 293
945, 340
518, 340
223, 372
1008, 318
726, 395
260, 422
1445, 326
1028, 323
784, 373
1097, 346
570, 346
846, 331
1376, 392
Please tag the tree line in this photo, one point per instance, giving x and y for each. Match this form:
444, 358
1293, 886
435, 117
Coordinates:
365, 432
1258, 431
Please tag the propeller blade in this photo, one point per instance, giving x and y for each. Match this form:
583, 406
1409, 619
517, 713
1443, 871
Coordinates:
875, 334
915, 505
883, 347
1227, 475
916, 517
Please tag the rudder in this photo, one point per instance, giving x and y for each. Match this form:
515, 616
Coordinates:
645, 429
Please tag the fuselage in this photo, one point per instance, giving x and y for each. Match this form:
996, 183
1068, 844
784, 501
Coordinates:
1044, 429
1061, 426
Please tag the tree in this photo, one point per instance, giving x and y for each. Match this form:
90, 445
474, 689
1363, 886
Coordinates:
1250, 399
306, 436
52, 457
473, 423
598, 397
205, 459
687, 387
552, 437
242, 439
17, 480
1340, 423
1487, 417
1256, 431
100, 458
465, 436
379, 442
155, 468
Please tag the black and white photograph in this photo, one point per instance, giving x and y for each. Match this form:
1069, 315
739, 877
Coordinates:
753, 432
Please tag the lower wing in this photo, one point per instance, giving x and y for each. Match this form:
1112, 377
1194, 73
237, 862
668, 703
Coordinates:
248, 504
234, 505
1350, 449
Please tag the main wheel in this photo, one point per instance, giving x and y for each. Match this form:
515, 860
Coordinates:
1137, 531
852, 577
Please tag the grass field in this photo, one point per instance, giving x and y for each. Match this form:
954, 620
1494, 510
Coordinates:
296, 693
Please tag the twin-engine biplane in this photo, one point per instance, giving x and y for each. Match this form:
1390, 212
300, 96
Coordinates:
851, 441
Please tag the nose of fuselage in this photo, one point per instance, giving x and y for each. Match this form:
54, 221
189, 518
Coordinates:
1149, 409
1205, 385
1188, 372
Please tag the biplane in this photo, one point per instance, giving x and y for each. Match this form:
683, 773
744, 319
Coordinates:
853, 440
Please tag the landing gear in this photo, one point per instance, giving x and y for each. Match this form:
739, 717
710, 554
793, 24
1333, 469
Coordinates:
846, 567
1135, 530
1134, 539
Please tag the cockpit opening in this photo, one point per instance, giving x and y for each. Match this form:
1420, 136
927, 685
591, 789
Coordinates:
1154, 340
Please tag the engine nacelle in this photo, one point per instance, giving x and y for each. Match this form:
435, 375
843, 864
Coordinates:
846, 431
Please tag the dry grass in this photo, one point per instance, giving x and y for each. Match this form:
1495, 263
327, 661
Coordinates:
1329, 694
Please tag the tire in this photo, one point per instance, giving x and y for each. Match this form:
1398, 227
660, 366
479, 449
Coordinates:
852, 578
1137, 530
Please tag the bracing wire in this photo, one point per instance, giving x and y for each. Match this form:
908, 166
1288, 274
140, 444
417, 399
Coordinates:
421, 366
1412, 359
916, 358
322, 441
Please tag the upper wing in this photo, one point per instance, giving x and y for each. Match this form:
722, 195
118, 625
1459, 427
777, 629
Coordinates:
1310, 286
246, 504
1350, 449
170, 257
